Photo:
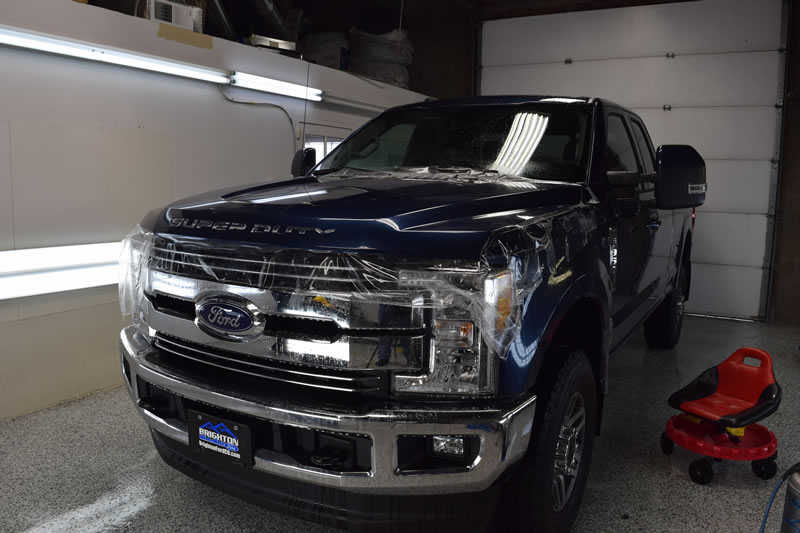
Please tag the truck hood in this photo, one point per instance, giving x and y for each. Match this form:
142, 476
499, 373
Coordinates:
421, 213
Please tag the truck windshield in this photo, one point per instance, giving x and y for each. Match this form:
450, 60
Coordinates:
543, 141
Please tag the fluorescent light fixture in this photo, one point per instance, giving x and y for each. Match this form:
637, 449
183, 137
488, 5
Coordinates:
67, 47
24, 285
43, 43
268, 85
82, 50
62, 268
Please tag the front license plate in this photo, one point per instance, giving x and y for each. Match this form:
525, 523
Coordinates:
220, 439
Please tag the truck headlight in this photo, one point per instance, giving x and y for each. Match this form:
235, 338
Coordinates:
473, 313
133, 274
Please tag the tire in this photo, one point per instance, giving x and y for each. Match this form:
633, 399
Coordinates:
701, 472
765, 468
662, 329
544, 494
667, 446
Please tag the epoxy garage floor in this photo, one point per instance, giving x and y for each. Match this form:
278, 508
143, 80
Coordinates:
90, 466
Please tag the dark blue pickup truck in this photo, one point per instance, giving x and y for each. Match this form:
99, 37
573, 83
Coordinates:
414, 332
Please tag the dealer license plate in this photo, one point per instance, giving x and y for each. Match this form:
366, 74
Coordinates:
220, 439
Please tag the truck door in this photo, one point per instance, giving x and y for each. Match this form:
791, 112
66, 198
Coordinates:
662, 258
634, 229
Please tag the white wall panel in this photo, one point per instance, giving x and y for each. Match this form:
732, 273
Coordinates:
6, 208
8, 310
716, 132
77, 184
738, 187
648, 81
59, 302
683, 28
725, 290
48, 359
730, 239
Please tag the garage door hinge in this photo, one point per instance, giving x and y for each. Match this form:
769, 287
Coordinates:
568, 61
670, 55
775, 161
667, 107
779, 103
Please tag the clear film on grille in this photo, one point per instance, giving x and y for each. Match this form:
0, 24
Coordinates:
474, 309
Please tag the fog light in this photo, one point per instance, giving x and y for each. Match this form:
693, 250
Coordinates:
454, 333
447, 445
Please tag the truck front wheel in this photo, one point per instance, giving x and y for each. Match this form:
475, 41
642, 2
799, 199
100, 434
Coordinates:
545, 492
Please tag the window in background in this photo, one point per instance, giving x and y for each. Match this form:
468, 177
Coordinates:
323, 144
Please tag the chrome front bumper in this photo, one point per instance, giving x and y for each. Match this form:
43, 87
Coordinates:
504, 433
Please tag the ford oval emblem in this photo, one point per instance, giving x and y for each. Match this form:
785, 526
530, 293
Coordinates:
225, 317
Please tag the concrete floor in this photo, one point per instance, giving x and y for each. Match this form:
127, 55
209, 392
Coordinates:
89, 465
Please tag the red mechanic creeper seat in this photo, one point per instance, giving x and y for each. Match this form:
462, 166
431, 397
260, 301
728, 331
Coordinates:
734, 393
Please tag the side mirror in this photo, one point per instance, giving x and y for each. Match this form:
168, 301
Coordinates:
304, 160
681, 181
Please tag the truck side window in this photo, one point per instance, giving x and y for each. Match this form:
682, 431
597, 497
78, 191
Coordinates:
645, 149
620, 156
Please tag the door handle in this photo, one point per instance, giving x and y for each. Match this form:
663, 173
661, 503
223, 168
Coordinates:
654, 224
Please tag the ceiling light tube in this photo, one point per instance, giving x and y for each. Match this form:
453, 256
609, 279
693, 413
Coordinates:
43, 43
62, 268
67, 47
269, 85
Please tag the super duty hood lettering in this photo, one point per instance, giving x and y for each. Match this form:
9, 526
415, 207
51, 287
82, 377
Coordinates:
223, 225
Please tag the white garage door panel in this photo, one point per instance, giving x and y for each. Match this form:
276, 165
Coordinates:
738, 187
691, 27
725, 290
730, 239
717, 133
6, 221
721, 87
648, 81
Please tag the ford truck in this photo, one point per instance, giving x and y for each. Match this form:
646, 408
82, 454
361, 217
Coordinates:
415, 331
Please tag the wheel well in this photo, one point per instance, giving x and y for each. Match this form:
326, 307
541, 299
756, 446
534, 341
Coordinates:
581, 328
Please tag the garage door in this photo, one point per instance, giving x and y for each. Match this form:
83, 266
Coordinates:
705, 73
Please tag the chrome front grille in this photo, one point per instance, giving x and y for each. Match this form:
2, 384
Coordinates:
273, 269
272, 370
317, 312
